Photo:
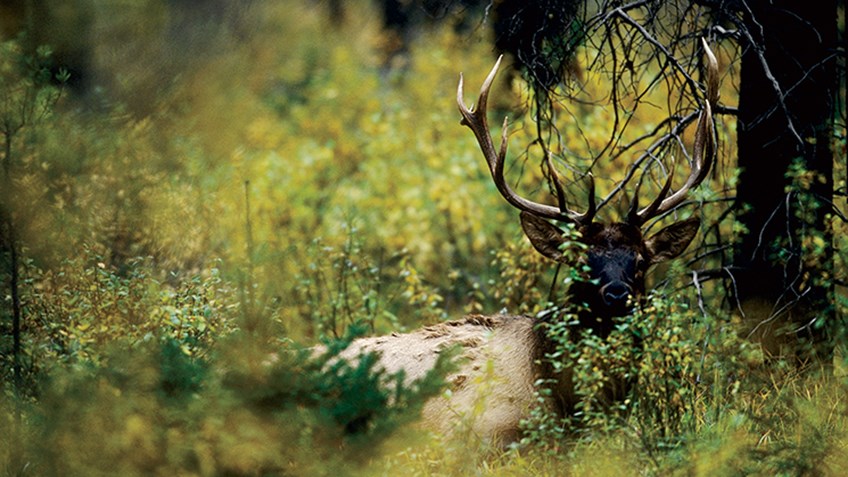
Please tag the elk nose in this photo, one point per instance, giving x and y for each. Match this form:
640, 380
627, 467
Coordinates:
616, 294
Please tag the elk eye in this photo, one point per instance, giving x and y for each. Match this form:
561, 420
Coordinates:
640, 262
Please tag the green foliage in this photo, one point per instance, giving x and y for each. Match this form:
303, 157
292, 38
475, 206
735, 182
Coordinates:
812, 247
343, 286
156, 410
26, 99
26, 93
642, 376
79, 309
791, 426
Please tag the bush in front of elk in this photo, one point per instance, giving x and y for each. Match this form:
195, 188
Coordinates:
156, 410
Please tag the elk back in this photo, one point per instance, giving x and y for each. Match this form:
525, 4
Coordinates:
493, 388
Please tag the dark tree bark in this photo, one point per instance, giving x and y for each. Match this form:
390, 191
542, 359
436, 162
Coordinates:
786, 111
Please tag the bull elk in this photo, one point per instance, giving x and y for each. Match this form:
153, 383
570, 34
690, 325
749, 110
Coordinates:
500, 355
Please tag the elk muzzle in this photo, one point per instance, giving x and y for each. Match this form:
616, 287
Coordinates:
616, 295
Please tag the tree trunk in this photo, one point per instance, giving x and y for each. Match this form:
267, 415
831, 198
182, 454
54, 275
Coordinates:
786, 111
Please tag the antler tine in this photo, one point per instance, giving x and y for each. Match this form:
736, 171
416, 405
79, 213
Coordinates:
702, 154
634, 215
475, 119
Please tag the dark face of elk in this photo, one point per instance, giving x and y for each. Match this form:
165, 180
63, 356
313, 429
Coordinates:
618, 257
617, 266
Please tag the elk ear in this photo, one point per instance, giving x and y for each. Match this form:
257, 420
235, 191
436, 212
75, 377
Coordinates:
544, 236
672, 240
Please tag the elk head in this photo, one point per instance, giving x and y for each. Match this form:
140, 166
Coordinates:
618, 255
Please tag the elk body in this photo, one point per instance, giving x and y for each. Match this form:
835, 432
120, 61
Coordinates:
499, 360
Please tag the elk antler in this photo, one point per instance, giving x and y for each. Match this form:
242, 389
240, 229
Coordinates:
476, 120
702, 155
